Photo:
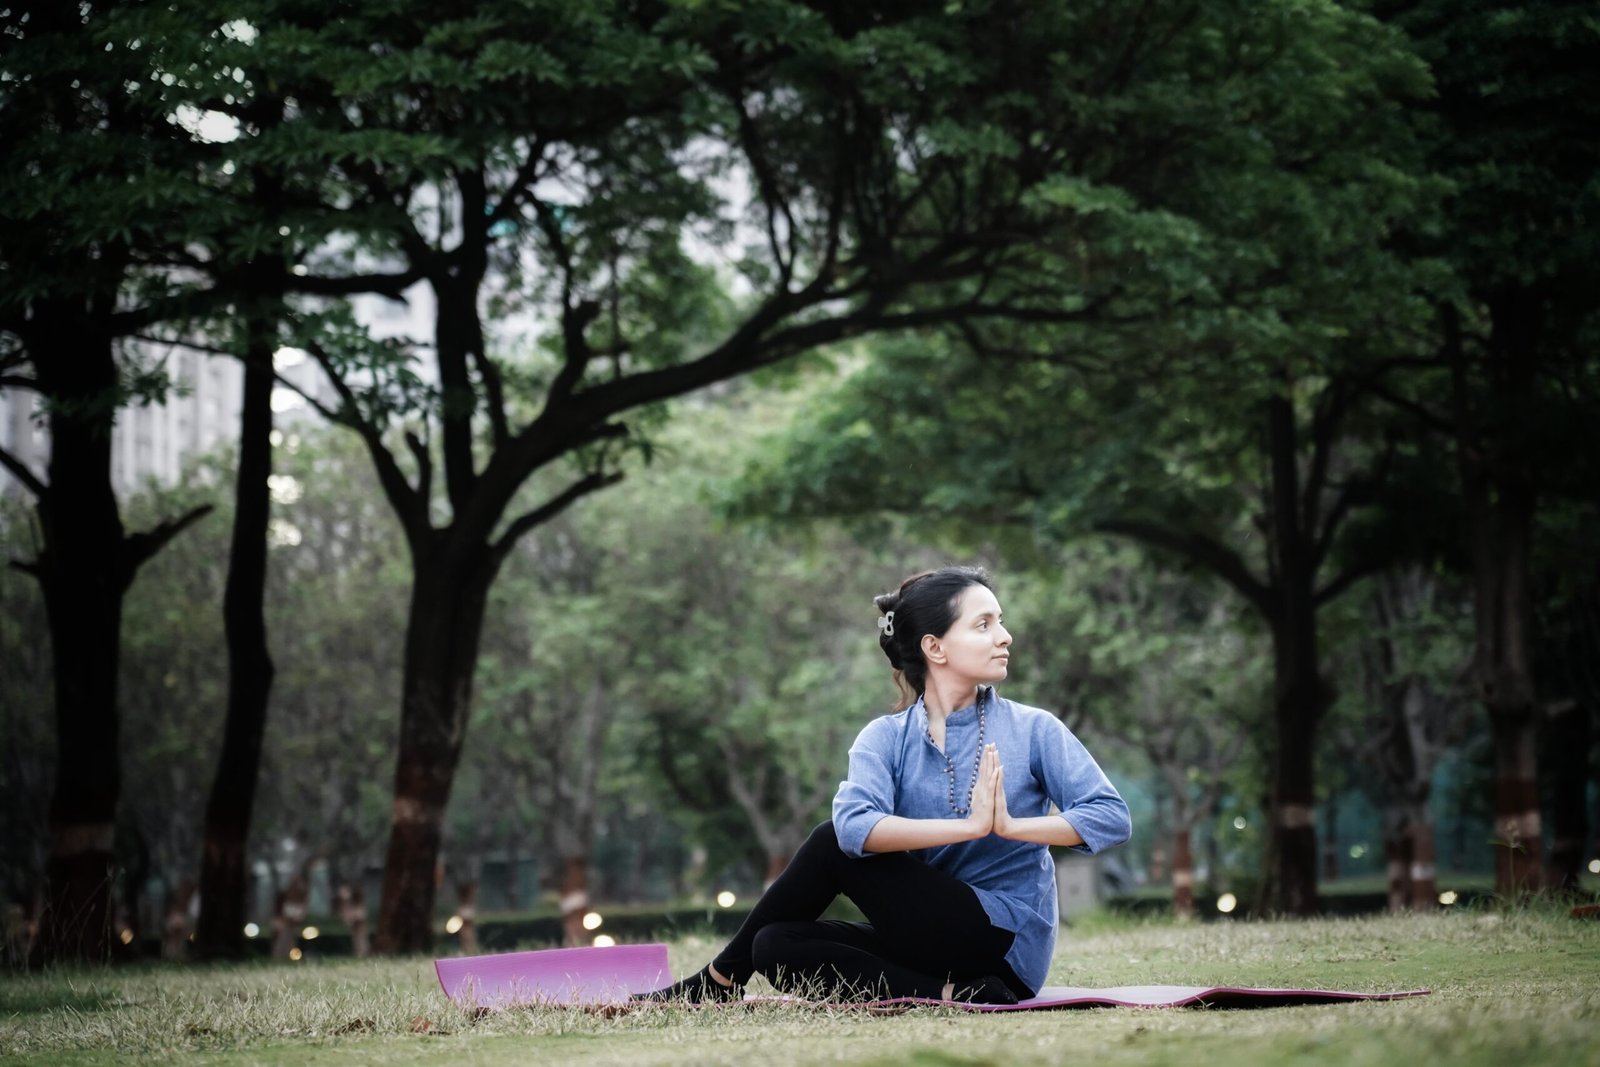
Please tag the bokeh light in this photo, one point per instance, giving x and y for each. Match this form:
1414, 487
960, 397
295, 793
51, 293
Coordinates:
592, 921
1226, 903
726, 899
604, 941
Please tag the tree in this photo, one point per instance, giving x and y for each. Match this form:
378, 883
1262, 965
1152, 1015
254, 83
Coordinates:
1233, 299
765, 669
890, 154
1152, 661
1513, 373
95, 183
25, 735
1409, 659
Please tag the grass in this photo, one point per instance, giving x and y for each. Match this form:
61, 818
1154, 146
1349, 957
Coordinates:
1512, 987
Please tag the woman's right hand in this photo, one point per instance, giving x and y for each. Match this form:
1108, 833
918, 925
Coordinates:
981, 819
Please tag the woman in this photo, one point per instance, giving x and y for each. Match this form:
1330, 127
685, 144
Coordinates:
939, 832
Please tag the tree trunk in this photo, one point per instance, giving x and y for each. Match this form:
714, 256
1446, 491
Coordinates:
1182, 872
1397, 857
224, 874
1158, 843
1424, 861
1567, 741
289, 915
1299, 694
467, 909
175, 922
82, 577
442, 632
1330, 837
574, 893
350, 902
513, 875
1518, 834
776, 863
1500, 502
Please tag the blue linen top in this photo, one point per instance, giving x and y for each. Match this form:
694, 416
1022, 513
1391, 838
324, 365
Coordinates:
896, 769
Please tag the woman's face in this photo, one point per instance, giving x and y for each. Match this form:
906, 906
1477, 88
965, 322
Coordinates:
977, 646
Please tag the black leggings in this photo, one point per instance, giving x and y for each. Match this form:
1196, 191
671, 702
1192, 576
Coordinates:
924, 928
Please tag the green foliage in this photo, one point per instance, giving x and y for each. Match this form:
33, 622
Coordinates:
336, 588
717, 672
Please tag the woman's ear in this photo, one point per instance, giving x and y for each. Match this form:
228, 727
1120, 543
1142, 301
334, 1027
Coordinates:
932, 650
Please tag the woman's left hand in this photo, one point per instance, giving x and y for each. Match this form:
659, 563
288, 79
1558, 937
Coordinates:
1002, 817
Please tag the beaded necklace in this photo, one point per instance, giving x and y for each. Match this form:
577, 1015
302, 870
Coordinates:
950, 767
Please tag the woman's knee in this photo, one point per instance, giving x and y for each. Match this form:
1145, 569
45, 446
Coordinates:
824, 834
769, 948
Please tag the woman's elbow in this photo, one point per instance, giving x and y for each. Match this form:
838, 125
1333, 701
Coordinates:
1123, 825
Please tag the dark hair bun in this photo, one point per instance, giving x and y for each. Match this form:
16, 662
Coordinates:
925, 603
885, 603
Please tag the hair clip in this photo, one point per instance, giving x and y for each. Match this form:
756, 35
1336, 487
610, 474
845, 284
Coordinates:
886, 624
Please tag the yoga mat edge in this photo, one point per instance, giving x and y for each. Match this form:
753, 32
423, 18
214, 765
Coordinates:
591, 977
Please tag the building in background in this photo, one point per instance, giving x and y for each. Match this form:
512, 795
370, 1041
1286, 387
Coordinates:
152, 442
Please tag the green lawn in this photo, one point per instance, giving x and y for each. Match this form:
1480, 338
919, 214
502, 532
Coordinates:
1509, 988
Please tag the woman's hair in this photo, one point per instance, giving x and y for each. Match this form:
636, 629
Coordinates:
925, 603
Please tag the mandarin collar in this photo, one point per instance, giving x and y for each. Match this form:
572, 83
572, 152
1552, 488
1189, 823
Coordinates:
962, 715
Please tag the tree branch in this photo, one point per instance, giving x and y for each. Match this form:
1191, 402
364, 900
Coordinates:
771, 196
21, 473
1346, 578
322, 409
419, 452
1435, 422
408, 503
391, 285
589, 483
1351, 494
139, 547
1324, 430
176, 342
1202, 550
517, 188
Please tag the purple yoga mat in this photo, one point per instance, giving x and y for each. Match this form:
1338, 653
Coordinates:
583, 976
554, 976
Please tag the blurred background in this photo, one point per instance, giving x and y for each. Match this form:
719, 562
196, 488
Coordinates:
448, 452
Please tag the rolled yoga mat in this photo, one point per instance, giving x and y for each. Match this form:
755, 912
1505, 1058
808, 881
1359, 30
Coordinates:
598, 976
557, 976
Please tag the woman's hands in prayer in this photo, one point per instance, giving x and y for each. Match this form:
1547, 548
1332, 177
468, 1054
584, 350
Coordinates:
989, 814
983, 792
1002, 817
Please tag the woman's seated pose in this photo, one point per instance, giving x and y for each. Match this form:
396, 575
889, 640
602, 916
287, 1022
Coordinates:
939, 832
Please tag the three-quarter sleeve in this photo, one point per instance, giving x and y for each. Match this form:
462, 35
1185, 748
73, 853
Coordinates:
867, 793
1077, 785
